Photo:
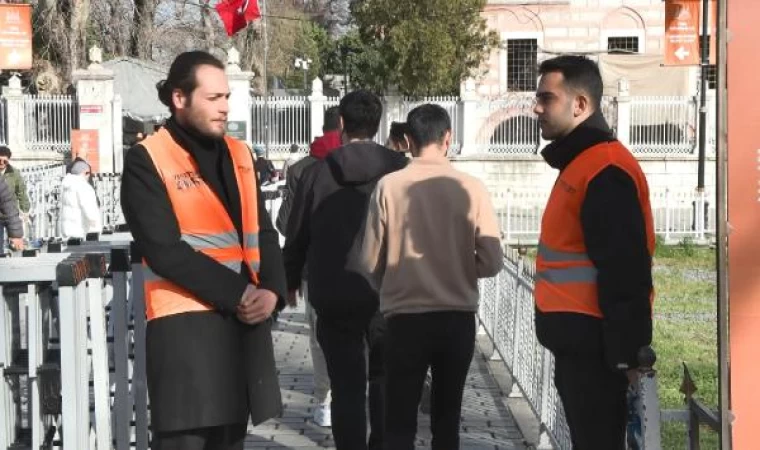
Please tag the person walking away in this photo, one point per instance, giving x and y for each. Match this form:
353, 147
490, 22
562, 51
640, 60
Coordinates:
80, 214
15, 182
264, 167
594, 267
10, 224
292, 159
319, 149
212, 264
431, 232
328, 214
398, 137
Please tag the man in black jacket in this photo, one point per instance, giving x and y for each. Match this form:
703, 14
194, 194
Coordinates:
328, 214
594, 263
210, 371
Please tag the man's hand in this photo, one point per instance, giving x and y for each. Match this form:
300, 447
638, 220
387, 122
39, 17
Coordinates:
292, 299
256, 305
17, 243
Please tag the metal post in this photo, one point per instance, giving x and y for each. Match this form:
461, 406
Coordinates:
266, 77
139, 377
703, 95
95, 289
721, 178
35, 346
6, 398
122, 405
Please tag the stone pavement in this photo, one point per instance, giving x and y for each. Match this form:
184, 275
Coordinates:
486, 422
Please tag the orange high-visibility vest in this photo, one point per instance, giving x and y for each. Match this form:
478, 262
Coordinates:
203, 221
565, 276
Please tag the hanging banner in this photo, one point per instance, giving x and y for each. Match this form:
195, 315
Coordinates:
84, 144
682, 32
15, 37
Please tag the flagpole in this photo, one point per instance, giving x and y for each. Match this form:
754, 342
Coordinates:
266, 80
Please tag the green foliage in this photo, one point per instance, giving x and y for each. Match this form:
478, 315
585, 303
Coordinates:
425, 47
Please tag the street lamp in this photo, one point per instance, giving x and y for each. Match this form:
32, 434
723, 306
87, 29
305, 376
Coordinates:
303, 64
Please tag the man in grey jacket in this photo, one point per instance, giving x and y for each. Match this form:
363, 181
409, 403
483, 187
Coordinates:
11, 220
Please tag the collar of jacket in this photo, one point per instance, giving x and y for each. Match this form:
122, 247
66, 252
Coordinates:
190, 140
589, 133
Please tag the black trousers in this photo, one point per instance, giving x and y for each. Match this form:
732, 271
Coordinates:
594, 398
443, 341
226, 437
349, 373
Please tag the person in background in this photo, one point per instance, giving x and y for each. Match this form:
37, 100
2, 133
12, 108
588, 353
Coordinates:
15, 182
80, 214
264, 167
398, 138
11, 222
292, 159
321, 147
329, 211
431, 232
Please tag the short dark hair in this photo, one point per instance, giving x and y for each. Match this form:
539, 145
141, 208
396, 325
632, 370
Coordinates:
579, 72
397, 131
293, 148
182, 75
332, 119
5, 151
361, 112
427, 124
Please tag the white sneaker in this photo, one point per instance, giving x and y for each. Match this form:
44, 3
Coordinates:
322, 416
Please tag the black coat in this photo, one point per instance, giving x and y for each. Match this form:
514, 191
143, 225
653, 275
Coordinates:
207, 368
327, 219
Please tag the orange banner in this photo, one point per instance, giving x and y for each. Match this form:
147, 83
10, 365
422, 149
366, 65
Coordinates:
682, 32
15, 36
84, 144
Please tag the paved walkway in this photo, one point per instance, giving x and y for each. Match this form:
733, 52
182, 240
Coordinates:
486, 422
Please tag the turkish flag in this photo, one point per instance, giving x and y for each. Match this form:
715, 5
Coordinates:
236, 14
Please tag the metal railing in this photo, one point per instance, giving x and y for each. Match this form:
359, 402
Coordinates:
3, 122
450, 104
511, 126
663, 125
48, 121
507, 315
43, 184
675, 214
289, 123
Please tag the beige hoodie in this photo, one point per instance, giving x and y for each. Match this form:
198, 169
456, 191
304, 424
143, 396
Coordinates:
431, 232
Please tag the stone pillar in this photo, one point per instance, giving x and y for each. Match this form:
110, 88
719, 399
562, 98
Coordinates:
16, 126
623, 102
95, 97
469, 121
239, 117
317, 101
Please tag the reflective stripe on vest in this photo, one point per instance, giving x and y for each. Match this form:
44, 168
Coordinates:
203, 221
566, 279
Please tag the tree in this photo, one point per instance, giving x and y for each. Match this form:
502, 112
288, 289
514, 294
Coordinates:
61, 31
425, 47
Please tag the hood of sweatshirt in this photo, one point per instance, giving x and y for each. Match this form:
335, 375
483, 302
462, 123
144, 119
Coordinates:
363, 162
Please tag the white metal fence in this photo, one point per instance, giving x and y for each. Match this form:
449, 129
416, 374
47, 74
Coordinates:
511, 126
48, 121
289, 122
675, 214
507, 315
43, 184
663, 125
450, 104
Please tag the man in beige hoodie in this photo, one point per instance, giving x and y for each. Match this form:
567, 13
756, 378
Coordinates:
431, 232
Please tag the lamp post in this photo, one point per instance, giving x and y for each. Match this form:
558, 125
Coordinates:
304, 64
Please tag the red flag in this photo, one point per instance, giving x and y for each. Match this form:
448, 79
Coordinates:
236, 14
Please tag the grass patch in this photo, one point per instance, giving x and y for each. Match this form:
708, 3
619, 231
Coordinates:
685, 330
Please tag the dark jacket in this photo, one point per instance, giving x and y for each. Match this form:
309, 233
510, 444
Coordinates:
616, 241
206, 368
16, 182
329, 212
9, 212
292, 180
264, 169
